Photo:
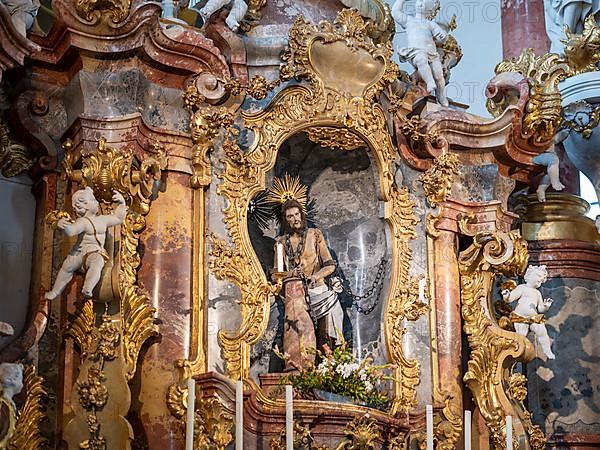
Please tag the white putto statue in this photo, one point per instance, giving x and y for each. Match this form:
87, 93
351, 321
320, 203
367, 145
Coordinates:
550, 159
237, 11
529, 313
571, 13
421, 50
11, 381
88, 253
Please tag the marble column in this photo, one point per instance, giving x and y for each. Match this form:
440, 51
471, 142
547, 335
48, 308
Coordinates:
165, 273
448, 318
523, 26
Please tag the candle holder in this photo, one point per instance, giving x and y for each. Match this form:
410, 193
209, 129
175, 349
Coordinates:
279, 276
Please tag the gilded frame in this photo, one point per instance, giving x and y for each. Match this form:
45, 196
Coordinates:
331, 107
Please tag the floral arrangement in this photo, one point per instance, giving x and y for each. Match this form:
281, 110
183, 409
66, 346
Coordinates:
339, 372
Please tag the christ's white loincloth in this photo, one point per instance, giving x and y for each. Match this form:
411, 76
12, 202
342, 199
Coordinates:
324, 303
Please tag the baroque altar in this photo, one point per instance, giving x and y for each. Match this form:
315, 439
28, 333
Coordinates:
218, 212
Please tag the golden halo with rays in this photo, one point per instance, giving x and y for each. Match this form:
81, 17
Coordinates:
284, 189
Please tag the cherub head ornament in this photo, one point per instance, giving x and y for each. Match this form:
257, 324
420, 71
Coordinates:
84, 201
536, 275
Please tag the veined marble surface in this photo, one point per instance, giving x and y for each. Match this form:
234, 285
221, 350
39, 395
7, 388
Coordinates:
564, 394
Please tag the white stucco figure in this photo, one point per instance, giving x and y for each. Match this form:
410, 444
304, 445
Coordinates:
571, 13
22, 12
421, 50
237, 11
88, 253
11, 381
550, 160
529, 313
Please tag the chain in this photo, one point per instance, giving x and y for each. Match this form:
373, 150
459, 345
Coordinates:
377, 285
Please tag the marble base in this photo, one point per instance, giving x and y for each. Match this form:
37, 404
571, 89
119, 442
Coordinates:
264, 419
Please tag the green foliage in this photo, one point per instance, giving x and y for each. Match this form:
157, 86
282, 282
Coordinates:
340, 373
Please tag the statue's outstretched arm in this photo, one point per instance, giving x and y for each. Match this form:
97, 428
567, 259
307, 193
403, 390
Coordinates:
118, 215
398, 13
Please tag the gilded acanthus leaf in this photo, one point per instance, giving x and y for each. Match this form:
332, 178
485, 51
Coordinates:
438, 180
15, 158
213, 428
137, 314
27, 434
81, 328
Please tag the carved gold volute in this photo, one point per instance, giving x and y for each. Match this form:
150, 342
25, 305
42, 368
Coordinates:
497, 389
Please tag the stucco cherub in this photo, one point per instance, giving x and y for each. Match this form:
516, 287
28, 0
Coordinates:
237, 11
529, 313
421, 50
11, 383
550, 160
88, 253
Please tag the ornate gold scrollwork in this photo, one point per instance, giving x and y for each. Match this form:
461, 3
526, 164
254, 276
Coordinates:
336, 96
438, 180
24, 433
94, 10
582, 50
258, 87
361, 434
405, 304
411, 129
494, 351
82, 326
334, 138
448, 427
302, 439
206, 124
213, 425
15, 158
543, 74
213, 428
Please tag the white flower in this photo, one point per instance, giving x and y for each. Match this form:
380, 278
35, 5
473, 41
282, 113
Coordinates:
345, 370
323, 368
368, 386
362, 374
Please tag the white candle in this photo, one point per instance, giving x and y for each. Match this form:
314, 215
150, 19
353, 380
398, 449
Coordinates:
422, 283
509, 443
467, 430
189, 425
429, 422
239, 415
289, 417
279, 251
